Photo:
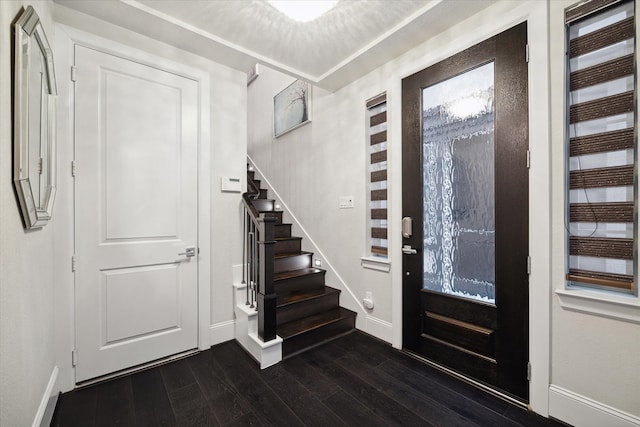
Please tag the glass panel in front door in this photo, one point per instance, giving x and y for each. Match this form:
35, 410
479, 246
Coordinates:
458, 185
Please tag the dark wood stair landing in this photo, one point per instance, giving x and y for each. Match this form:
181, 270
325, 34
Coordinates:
308, 312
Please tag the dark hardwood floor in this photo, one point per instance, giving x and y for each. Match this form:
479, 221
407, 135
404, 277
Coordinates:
354, 380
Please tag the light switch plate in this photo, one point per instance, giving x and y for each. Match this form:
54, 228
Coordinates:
345, 202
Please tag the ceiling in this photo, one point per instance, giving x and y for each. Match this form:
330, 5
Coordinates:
347, 42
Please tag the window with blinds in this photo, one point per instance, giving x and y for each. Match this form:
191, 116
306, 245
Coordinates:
601, 147
377, 144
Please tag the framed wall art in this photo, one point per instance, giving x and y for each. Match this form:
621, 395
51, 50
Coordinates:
291, 107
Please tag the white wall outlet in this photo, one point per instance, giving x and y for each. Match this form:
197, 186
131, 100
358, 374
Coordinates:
345, 202
317, 262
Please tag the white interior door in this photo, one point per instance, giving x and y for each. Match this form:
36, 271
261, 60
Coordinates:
136, 133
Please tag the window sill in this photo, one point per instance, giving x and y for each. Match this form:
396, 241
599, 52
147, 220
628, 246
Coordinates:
625, 308
375, 263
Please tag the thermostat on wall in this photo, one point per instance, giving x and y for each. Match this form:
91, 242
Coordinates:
231, 185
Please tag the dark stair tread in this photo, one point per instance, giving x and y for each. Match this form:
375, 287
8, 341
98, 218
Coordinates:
296, 273
270, 214
264, 205
282, 239
294, 297
291, 254
300, 326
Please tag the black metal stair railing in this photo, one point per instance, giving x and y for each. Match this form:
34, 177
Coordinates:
258, 261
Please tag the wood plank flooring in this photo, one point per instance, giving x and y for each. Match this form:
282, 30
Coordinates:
354, 380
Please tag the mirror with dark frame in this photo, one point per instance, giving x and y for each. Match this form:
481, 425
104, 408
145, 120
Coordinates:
34, 120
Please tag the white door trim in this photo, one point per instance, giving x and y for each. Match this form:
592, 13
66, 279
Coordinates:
67, 38
540, 242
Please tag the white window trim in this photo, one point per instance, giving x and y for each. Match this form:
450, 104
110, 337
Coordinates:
376, 263
601, 303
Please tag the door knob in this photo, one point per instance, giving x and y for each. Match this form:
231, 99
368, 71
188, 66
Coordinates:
189, 252
408, 250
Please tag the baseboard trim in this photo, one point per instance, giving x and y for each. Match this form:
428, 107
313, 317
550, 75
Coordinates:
579, 410
222, 332
379, 328
49, 400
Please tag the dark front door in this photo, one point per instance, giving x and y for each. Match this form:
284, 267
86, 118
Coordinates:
465, 202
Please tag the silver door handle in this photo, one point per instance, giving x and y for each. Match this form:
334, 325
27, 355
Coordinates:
189, 252
408, 250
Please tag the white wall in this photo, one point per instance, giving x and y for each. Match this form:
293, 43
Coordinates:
594, 359
225, 133
581, 363
27, 349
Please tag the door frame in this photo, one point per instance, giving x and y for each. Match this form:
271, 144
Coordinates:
66, 40
540, 198
508, 319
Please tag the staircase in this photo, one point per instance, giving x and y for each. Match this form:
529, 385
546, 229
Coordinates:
308, 312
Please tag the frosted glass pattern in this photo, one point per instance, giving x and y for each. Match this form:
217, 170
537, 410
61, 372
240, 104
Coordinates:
458, 184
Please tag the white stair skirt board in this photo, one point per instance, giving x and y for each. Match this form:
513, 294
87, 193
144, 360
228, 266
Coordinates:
578, 410
246, 332
48, 403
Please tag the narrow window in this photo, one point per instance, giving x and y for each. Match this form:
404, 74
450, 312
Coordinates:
601, 146
377, 147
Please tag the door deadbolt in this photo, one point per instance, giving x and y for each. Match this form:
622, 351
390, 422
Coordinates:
407, 227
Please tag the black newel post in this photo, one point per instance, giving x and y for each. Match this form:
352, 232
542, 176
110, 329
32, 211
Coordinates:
266, 291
